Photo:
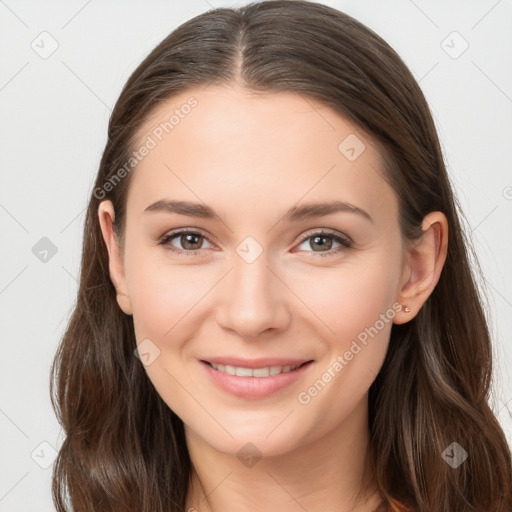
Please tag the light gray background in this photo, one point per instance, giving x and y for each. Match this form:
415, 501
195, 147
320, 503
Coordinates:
54, 114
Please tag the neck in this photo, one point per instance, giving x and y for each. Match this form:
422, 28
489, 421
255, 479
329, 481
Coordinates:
326, 474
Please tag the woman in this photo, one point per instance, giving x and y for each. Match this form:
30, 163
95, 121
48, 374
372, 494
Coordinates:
276, 308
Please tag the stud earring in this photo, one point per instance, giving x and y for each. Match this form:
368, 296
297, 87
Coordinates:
407, 309
122, 294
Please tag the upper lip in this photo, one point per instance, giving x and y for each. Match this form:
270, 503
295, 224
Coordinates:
260, 362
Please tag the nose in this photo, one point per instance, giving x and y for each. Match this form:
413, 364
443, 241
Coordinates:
253, 299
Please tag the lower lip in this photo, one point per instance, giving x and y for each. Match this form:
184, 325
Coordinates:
254, 387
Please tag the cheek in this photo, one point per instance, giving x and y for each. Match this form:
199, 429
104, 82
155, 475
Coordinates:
347, 300
166, 301
163, 294
360, 316
357, 315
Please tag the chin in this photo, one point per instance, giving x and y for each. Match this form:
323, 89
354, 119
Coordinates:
263, 439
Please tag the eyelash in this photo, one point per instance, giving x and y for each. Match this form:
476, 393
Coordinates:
345, 242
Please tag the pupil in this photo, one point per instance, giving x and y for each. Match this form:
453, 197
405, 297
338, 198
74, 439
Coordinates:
316, 238
187, 241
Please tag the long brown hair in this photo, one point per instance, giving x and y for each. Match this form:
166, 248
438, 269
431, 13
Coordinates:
124, 448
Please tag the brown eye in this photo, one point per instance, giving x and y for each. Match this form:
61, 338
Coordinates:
190, 242
324, 243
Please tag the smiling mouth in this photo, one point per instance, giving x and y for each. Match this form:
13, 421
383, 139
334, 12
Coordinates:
268, 371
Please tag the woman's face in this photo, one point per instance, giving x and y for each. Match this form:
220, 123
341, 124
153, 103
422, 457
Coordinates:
251, 282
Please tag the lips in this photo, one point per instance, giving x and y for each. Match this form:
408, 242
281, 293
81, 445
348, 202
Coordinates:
254, 378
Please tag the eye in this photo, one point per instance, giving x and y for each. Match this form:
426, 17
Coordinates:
191, 241
324, 240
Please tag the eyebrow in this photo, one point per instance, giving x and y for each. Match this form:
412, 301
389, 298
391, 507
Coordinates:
294, 214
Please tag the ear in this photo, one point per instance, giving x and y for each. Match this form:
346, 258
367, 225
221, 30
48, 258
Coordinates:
106, 217
425, 259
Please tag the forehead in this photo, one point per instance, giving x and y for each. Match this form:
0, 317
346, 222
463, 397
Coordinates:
218, 143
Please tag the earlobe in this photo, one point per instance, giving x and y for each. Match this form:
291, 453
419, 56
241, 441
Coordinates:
106, 216
425, 260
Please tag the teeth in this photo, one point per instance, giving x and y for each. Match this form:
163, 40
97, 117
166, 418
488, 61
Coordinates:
243, 372
261, 372
253, 372
230, 369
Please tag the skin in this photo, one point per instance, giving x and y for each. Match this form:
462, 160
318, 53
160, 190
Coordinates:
251, 158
